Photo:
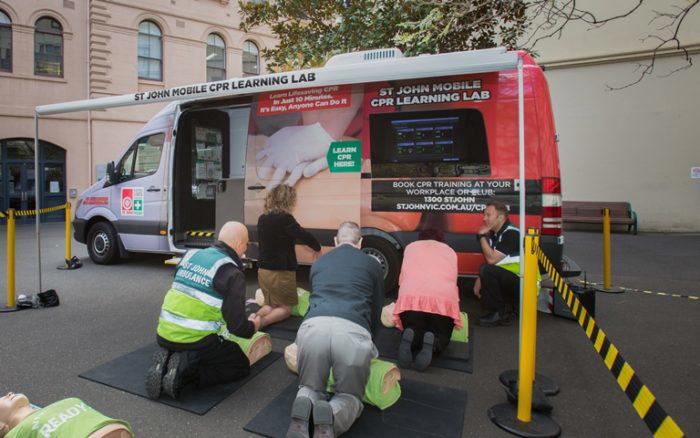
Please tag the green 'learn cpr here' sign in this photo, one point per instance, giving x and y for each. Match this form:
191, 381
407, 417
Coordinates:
345, 156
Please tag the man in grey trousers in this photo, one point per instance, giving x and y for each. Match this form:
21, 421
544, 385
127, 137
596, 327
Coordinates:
344, 310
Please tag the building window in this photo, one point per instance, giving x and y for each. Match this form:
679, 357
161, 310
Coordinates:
216, 58
150, 51
5, 42
48, 47
251, 58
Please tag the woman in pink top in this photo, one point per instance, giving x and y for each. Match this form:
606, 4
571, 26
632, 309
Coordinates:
427, 309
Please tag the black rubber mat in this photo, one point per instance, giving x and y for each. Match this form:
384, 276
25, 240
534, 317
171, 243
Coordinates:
457, 357
423, 410
128, 373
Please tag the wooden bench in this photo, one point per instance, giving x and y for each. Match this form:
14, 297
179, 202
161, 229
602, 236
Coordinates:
591, 212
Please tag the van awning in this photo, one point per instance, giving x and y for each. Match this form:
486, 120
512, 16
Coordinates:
424, 66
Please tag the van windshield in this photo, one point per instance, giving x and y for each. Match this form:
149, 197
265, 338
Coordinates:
440, 143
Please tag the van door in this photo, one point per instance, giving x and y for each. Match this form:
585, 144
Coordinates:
138, 199
230, 191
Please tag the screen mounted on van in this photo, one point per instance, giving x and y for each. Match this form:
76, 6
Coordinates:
429, 143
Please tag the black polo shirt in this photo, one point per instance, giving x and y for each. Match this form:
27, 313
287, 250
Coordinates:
506, 240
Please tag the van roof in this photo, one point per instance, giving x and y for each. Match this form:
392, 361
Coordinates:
357, 67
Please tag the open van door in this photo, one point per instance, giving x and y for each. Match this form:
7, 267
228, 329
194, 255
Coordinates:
230, 190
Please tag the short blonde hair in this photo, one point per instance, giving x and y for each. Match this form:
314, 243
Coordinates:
281, 199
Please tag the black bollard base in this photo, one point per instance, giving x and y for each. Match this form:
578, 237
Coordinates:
73, 263
547, 385
609, 290
505, 416
5, 309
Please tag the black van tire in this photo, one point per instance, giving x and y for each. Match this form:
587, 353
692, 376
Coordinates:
103, 244
388, 257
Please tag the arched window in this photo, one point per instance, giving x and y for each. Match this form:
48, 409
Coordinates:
251, 58
216, 58
150, 51
5, 42
48, 47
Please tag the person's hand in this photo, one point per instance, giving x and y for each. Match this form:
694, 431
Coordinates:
477, 287
484, 229
256, 320
297, 150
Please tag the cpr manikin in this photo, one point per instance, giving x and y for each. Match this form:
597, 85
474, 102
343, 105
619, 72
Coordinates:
69, 418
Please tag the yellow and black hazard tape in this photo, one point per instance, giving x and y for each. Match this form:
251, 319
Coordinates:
650, 292
20, 213
200, 233
657, 420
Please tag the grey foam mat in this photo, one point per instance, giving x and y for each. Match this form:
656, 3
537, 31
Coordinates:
424, 410
128, 373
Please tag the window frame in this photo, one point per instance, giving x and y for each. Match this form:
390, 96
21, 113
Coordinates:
139, 57
134, 148
9, 27
48, 32
223, 47
257, 58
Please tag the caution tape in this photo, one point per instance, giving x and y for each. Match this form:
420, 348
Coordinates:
200, 233
19, 213
650, 292
643, 401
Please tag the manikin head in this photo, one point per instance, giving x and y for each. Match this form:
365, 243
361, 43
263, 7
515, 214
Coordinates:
235, 235
495, 215
13, 409
349, 233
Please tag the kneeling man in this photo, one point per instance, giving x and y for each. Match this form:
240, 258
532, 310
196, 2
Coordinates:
344, 310
208, 291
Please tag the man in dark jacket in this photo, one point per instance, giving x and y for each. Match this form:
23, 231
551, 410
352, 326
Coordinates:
207, 293
344, 310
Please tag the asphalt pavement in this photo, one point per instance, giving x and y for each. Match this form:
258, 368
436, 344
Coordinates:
108, 311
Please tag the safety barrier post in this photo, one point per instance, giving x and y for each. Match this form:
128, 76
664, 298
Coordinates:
11, 305
521, 421
607, 281
71, 262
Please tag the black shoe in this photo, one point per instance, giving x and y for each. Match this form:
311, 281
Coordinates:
493, 319
323, 420
405, 353
175, 377
301, 413
154, 376
425, 355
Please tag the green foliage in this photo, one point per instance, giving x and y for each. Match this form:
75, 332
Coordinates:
310, 31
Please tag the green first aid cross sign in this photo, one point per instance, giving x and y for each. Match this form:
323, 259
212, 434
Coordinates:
345, 156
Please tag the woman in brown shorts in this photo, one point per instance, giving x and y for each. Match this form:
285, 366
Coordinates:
277, 263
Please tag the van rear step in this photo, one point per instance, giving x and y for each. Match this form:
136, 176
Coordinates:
197, 239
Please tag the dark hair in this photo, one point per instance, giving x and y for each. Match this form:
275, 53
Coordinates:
498, 205
431, 234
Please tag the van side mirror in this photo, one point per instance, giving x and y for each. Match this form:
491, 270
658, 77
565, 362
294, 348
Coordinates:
111, 173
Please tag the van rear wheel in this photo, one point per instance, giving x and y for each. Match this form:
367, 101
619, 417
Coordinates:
388, 257
102, 244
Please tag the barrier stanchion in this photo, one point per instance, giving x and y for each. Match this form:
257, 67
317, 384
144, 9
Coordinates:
521, 421
607, 280
72, 262
10, 306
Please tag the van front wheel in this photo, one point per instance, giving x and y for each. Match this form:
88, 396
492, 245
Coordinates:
102, 244
388, 257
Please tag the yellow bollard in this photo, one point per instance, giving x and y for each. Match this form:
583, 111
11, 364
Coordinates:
528, 331
11, 259
520, 420
68, 239
607, 276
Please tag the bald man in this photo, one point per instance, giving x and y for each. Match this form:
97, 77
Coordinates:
207, 292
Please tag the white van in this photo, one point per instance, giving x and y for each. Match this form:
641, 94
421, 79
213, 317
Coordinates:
396, 144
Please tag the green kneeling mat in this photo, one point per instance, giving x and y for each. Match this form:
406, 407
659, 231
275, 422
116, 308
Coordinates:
373, 390
461, 335
302, 306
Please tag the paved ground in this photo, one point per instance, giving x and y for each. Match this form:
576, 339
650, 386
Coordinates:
106, 312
